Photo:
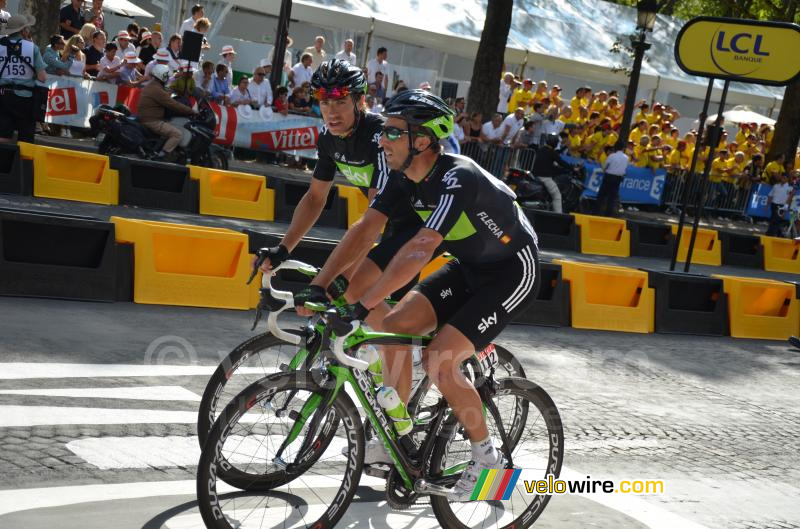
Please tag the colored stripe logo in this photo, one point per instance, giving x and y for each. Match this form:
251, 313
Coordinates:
495, 484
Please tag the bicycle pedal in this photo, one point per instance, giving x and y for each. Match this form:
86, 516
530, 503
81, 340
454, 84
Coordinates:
423, 487
375, 472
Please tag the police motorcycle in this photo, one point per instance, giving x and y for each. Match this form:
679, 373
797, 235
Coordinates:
532, 194
118, 132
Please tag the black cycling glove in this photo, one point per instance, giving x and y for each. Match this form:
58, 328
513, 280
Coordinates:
276, 255
312, 293
353, 312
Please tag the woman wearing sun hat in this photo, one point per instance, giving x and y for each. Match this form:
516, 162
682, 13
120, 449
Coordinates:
18, 78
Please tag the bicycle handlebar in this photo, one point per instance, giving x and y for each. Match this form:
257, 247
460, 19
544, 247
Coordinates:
337, 344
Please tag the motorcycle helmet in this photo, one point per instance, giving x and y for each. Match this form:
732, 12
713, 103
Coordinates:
160, 72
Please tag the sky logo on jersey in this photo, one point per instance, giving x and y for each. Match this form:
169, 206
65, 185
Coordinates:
495, 484
358, 176
451, 180
487, 322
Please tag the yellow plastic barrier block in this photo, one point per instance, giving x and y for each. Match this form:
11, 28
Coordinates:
73, 175
707, 247
26, 150
178, 264
610, 298
434, 265
357, 203
232, 194
604, 235
761, 308
781, 255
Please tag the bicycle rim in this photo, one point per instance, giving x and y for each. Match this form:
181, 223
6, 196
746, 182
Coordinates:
249, 432
250, 361
530, 416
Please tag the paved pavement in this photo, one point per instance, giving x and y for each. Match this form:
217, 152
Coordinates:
97, 406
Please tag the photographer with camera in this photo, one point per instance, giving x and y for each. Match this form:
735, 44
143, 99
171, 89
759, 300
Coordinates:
21, 66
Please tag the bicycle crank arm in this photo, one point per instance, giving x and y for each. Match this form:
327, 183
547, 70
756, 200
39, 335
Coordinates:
424, 487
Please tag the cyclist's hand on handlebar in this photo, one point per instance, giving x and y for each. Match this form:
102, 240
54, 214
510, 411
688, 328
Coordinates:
313, 294
353, 312
269, 258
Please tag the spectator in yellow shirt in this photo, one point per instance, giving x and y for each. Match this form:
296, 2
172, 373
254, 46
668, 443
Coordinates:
555, 96
679, 158
640, 152
614, 110
643, 114
568, 116
541, 92
737, 169
742, 133
766, 132
522, 97
580, 99
774, 169
575, 141
655, 155
637, 133
600, 102
719, 188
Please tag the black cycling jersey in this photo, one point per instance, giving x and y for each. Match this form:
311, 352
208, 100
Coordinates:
360, 159
548, 163
474, 211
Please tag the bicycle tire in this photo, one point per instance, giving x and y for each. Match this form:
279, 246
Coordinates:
219, 513
553, 433
210, 401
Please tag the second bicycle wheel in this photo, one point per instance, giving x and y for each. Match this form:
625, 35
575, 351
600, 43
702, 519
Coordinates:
531, 420
248, 433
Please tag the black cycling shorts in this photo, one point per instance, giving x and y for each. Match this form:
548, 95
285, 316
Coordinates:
481, 301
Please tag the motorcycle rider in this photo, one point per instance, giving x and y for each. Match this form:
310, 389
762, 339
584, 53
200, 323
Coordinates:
154, 101
547, 164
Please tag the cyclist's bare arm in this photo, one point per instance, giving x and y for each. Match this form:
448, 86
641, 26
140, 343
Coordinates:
404, 266
353, 247
305, 215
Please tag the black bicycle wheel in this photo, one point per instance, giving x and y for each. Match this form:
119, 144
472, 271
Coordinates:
316, 493
528, 413
249, 361
425, 396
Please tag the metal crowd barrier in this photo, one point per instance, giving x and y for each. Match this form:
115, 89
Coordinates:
496, 159
723, 197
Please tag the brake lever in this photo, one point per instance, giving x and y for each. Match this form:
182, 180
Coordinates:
261, 257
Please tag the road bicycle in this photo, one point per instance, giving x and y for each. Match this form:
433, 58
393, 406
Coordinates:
285, 349
281, 441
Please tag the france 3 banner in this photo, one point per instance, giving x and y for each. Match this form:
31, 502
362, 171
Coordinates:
640, 186
265, 130
757, 205
73, 100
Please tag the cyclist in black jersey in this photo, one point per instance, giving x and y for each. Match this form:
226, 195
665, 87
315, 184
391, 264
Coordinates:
493, 277
349, 143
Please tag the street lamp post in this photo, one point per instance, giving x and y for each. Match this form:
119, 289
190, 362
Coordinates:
645, 20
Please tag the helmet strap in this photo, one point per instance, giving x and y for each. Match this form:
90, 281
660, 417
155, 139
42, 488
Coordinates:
412, 151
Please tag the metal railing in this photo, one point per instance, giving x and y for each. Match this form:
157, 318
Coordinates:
721, 197
496, 159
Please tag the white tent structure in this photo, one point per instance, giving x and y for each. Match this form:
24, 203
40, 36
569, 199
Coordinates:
571, 37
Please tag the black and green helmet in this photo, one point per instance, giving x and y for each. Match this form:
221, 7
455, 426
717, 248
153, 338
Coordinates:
424, 109
335, 73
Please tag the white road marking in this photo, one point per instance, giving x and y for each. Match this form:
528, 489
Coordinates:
41, 498
27, 416
166, 393
110, 453
26, 370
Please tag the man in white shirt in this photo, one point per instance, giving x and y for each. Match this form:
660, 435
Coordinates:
260, 90
506, 89
347, 53
551, 124
5, 15
318, 55
287, 56
492, 131
160, 57
228, 55
779, 197
124, 43
613, 174
379, 64
512, 124
188, 24
301, 72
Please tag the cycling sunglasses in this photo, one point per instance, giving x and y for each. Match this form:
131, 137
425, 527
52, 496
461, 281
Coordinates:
321, 94
394, 133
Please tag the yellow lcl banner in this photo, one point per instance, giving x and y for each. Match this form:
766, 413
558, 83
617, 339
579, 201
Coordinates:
749, 51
